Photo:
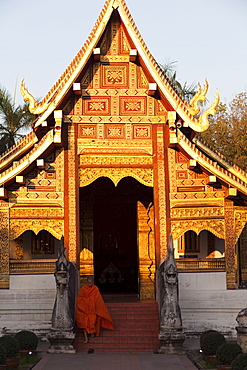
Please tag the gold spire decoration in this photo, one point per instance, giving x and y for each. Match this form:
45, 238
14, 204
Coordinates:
34, 106
200, 95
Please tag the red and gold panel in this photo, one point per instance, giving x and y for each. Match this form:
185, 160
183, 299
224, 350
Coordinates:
115, 75
142, 131
97, 106
124, 43
114, 131
182, 175
160, 109
87, 131
181, 158
133, 106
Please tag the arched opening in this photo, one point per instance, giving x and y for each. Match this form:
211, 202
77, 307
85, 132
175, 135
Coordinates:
109, 230
31, 246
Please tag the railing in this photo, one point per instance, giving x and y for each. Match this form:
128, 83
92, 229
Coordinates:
201, 264
22, 267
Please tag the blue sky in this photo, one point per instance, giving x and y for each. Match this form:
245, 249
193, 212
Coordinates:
208, 39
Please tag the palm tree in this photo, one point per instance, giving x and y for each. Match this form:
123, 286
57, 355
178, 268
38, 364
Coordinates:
186, 91
13, 120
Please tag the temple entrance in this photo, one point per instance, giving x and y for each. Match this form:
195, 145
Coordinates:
109, 229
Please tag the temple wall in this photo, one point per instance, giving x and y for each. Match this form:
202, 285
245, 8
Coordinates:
206, 304
28, 304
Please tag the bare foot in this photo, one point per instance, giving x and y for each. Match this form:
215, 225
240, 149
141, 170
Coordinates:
86, 337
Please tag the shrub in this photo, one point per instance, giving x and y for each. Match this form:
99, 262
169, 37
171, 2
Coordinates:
226, 353
11, 346
206, 332
240, 362
3, 355
211, 341
27, 340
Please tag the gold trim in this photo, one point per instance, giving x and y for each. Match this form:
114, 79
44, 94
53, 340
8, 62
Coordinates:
89, 175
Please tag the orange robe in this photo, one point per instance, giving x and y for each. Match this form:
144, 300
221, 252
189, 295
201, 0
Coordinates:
91, 311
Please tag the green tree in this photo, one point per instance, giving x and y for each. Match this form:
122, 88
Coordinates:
13, 120
227, 132
186, 91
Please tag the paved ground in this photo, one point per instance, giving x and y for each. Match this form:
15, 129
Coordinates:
117, 361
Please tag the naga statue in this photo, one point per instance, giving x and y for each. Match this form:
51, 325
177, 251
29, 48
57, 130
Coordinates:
61, 318
171, 333
61, 336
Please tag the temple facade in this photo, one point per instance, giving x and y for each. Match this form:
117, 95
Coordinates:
111, 168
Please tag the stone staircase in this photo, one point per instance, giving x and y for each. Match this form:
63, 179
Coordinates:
136, 329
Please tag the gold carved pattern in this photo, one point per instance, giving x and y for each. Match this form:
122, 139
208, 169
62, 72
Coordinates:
41, 197
4, 246
115, 119
114, 160
143, 82
240, 217
78, 106
96, 75
132, 105
86, 79
100, 130
36, 212
115, 105
142, 131
72, 198
150, 101
114, 75
160, 108
114, 131
124, 43
60, 170
114, 58
115, 92
114, 37
230, 256
143, 175
19, 226
146, 251
197, 212
172, 172
87, 131
215, 226
133, 76
19, 248
107, 146
128, 131
162, 192
189, 182
96, 106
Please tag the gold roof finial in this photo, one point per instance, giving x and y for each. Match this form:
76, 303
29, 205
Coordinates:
200, 95
34, 106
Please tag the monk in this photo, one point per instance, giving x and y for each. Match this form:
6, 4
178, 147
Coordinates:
91, 311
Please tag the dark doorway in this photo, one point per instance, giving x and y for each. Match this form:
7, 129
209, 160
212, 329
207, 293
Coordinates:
114, 227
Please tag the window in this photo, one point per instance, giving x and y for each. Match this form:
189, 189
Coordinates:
43, 243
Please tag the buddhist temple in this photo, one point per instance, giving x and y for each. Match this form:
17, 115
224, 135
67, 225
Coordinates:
113, 166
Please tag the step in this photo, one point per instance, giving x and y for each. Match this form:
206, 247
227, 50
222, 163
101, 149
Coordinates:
136, 329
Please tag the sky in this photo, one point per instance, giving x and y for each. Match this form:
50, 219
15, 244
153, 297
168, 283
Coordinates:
207, 39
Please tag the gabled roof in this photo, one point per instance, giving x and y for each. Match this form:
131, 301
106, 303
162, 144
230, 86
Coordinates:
184, 110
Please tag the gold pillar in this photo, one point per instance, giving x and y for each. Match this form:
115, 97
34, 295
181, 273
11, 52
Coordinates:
146, 251
86, 265
4, 245
243, 254
230, 255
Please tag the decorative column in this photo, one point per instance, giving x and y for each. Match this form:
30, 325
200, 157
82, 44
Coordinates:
72, 229
230, 255
4, 245
146, 251
160, 194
